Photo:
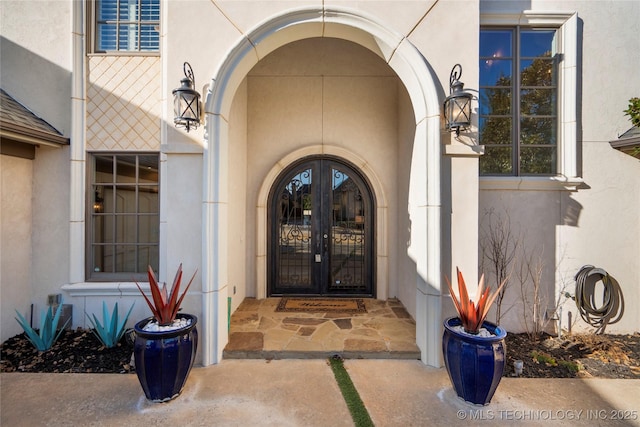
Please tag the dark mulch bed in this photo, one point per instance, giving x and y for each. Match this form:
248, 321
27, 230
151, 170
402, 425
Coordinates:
75, 351
579, 355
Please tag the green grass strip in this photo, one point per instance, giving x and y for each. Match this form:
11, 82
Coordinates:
357, 409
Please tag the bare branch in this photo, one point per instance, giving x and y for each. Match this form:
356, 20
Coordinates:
498, 245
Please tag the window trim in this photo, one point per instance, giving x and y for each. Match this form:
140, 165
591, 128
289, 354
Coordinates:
567, 156
516, 89
92, 30
115, 277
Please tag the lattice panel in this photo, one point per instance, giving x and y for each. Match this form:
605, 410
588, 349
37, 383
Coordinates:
124, 103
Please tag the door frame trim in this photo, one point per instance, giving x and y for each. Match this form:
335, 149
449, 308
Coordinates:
380, 214
371, 245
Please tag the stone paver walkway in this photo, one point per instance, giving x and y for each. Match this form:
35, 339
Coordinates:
257, 331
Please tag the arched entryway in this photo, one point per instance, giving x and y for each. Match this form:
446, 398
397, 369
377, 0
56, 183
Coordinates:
321, 224
423, 170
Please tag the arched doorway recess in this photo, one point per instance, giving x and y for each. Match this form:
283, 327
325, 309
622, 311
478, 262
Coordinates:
321, 224
424, 189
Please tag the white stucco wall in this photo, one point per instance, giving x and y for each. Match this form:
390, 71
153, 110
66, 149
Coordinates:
338, 94
242, 208
15, 238
35, 70
50, 217
597, 224
608, 231
406, 265
36, 57
324, 92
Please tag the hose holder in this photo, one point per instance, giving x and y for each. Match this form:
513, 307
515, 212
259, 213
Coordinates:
612, 307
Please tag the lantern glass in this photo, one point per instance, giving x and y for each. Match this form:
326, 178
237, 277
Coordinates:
458, 111
186, 102
457, 106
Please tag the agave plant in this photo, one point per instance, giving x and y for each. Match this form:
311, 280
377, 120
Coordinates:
46, 336
110, 330
472, 312
165, 305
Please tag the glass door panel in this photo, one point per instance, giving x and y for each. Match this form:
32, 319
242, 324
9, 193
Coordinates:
321, 231
348, 237
294, 214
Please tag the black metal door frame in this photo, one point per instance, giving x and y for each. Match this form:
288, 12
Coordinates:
319, 245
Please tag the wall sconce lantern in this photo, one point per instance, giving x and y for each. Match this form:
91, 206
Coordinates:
186, 102
457, 106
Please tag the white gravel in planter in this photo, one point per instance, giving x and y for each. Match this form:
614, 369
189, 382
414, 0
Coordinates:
178, 323
482, 332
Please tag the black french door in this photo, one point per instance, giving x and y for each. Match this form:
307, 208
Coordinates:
321, 231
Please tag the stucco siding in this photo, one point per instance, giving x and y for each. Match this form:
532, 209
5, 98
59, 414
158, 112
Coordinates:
16, 189
330, 92
597, 224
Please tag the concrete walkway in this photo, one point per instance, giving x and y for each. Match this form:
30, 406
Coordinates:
304, 393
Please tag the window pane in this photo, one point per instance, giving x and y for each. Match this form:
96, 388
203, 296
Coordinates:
536, 43
496, 161
107, 232
150, 10
148, 200
496, 43
107, 10
105, 192
148, 166
126, 199
126, 169
495, 130
128, 10
149, 38
537, 102
104, 169
100, 230
538, 131
147, 255
128, 37
538, 160
106, 37
125, 259
496, 72
537, 72
495, 102
128, 25
102, 259
126, 230
148, 229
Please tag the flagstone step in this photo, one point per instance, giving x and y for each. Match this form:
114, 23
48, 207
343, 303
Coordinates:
258, 331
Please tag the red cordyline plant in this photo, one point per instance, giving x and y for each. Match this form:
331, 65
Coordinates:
472, 312
165, 306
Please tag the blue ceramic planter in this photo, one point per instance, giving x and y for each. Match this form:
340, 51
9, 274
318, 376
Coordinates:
164, 359
475, 364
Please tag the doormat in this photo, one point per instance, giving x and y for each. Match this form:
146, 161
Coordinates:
327, 305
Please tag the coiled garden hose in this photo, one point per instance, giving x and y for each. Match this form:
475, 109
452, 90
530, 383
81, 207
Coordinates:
612, 307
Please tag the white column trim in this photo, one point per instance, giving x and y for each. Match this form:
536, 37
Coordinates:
77, 191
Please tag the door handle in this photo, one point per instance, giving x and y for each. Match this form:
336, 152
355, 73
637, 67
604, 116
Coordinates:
318, 257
